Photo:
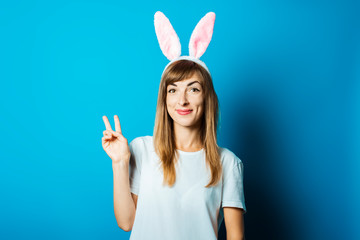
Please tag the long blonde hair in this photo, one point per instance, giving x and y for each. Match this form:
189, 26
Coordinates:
164, 142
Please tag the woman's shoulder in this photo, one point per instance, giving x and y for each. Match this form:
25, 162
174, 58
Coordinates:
141, 143
228, 158
141, 139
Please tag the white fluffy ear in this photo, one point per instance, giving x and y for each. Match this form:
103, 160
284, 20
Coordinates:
201, 36
167, 37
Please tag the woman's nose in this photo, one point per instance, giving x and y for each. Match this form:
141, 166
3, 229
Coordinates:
183, 99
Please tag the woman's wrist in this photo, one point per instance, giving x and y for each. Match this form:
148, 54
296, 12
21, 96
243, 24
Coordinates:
120, 164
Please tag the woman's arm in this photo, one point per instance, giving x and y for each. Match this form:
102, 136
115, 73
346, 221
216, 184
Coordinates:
124, 200
234, 223
116, 146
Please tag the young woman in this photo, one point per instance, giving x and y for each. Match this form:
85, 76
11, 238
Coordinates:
178, 183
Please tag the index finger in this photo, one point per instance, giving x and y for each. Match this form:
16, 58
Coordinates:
117, 124
107, 123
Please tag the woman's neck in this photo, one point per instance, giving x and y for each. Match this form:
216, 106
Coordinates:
187, 139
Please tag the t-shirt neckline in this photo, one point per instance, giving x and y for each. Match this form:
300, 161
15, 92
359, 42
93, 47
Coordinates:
190, 153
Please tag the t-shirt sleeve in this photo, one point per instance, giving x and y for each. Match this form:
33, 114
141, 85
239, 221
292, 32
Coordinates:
135, 166
233, 190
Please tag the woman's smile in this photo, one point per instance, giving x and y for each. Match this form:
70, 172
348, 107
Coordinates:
184, 112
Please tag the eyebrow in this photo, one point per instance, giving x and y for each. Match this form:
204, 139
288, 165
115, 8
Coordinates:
188, 84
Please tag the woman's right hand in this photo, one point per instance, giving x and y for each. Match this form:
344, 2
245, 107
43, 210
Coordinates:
114, 143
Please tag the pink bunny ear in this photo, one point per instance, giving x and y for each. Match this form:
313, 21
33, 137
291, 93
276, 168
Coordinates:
201, 36
167, 37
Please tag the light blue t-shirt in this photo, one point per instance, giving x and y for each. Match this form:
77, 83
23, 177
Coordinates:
187, 210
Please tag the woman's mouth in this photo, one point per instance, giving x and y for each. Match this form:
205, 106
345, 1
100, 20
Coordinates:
184, 112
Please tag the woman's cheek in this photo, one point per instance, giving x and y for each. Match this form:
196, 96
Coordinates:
169, 101
198, 100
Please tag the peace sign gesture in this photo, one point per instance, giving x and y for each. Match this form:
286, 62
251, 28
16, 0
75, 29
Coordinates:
114, 143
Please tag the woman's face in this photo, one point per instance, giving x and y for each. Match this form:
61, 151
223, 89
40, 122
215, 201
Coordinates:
185, 101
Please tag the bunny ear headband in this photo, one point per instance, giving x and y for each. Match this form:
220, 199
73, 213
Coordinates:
170, 43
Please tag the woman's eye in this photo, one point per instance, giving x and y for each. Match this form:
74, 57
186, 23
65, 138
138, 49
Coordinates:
192, 89
196, 90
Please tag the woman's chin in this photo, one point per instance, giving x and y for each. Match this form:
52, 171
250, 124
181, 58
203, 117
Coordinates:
188, 124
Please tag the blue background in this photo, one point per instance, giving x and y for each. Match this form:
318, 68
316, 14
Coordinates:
286, 73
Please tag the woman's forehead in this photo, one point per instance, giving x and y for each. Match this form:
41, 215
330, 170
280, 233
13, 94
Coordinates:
194, 79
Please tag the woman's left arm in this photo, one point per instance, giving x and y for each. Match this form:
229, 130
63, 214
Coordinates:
234, 223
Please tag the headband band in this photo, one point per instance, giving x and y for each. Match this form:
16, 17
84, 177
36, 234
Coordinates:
196, 60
